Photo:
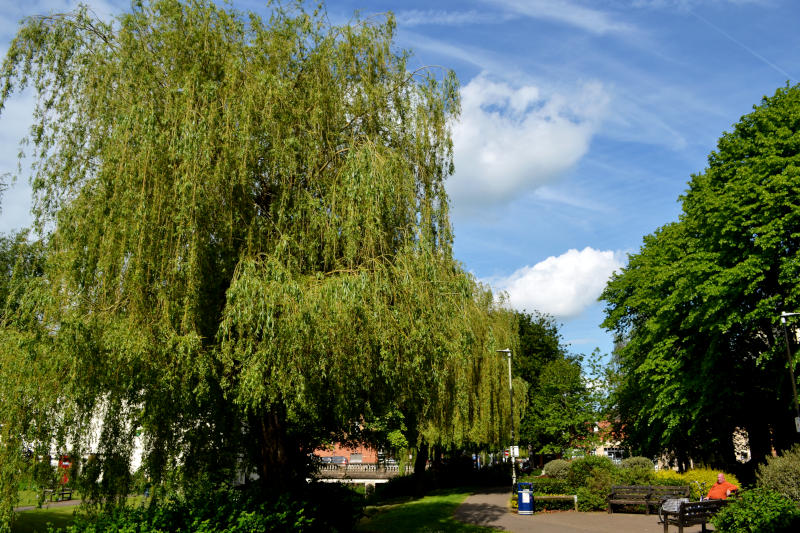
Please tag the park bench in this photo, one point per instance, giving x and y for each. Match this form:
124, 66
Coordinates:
646, 495
59, 494
662, 492
692, 513
555, 497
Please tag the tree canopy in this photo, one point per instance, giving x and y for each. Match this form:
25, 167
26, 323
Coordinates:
247, 244
697, 309
562, 406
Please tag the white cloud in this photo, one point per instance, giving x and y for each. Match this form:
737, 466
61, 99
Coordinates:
562, 286
567, 12
511, 141
417, 17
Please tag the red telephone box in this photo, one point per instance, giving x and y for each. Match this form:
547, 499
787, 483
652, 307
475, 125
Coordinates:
63, 467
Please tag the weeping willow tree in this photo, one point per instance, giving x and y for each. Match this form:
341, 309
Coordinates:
248, 246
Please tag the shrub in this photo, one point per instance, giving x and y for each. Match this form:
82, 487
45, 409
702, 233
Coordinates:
635, 476
668, 477
317, 507
557, 468
580, 469
592, 495
758, 511
782, 474
637, 462
707, 476
551, 486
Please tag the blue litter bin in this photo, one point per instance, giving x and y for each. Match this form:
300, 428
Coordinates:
524, 498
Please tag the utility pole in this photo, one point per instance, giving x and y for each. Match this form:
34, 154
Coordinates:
507, 351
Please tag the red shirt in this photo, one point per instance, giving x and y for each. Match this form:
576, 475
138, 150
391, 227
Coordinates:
720, 490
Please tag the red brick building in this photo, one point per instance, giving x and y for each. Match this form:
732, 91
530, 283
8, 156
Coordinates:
356, 454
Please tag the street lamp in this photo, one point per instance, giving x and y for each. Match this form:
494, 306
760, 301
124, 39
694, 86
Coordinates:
791, 369
507, 351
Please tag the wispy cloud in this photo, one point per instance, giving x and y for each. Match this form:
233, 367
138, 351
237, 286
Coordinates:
571, 199
689, 4
563, 286
472, 55
743, 46
510, 141
437, 17
567, 12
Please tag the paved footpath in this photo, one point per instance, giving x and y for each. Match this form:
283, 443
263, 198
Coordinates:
492, 508
48, 505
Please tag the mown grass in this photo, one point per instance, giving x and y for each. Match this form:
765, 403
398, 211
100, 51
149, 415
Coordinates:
28, 497
433, 513
38, 520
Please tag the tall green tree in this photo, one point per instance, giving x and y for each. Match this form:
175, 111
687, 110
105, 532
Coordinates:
562, 409
698, 307
248, 242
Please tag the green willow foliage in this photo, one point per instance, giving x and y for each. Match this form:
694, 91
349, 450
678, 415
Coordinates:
248, 244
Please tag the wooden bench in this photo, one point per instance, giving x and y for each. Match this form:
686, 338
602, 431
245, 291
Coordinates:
650, 496
662, 492
58, 495
629, 495
692, 513
556, 497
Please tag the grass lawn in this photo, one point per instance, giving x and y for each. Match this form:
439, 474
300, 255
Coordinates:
38, 519
28, 497
430, 514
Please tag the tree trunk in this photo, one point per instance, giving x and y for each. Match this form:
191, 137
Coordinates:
278, 457
420, 461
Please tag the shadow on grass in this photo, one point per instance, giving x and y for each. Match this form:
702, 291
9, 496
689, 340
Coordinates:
476, 513
433, 513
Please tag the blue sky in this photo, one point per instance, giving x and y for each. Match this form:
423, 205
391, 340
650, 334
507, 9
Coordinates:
582, 121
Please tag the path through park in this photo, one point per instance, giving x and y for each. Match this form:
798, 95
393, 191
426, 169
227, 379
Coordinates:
491, 508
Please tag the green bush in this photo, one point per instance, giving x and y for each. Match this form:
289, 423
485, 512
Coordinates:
551, 486
592, 496
668, 477
557, 468
758, 511
782, 474
637, 462
580, 469
318, 507
635, 476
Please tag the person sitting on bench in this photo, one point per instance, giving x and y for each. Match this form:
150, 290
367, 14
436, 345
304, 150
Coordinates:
721, 489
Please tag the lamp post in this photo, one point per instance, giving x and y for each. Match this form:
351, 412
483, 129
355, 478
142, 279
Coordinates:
507, 351
791, 369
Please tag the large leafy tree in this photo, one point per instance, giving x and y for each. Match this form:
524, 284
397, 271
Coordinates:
562, 406
697, 308
248, 247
